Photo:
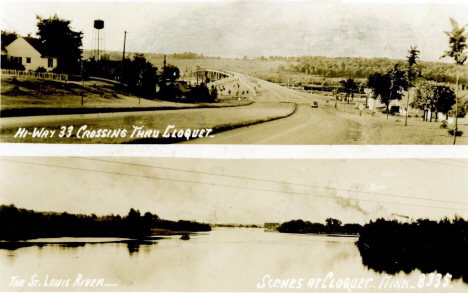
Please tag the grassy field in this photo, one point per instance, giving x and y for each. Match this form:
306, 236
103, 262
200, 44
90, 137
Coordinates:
28, 96
243, 66
378, 129
217, 119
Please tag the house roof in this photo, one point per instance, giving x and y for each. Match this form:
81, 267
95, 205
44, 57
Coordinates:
5, 42
37, 44
34, 42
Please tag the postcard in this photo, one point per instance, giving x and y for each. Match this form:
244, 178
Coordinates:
99, 224
234, 72
234, 146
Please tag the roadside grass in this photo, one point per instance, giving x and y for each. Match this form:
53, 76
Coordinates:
26, 92
378, 130
30, 96
217, 119
382, 131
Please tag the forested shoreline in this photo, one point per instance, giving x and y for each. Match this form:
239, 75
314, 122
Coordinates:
332, 226
19, 224
390, 246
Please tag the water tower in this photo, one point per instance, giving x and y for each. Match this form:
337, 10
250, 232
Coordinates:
98, 40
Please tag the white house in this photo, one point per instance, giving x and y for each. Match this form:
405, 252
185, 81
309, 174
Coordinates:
30, 53
402, 104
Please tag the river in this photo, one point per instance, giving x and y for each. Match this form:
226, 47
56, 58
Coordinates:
225, 259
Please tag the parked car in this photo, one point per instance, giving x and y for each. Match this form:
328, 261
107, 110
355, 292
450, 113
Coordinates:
314, 104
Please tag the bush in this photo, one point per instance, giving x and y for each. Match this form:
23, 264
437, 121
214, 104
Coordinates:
444, 124
459, 132
41, 69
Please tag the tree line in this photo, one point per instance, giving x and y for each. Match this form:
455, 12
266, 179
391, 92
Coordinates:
362, 67
390, 246
331, 226
17, 223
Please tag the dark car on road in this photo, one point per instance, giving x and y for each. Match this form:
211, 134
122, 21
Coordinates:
314, 104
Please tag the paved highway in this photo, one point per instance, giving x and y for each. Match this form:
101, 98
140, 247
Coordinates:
305, 127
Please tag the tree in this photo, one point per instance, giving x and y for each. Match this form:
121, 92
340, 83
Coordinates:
59, 40
411, 74
213, 94
349, 86
201, 93
435, 97
8, 37
388, 87
140, 75
171, 73
333, 224
457, 45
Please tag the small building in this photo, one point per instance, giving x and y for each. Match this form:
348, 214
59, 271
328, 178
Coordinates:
271, 227
30, 53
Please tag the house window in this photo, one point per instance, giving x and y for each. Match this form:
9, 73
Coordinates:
50, 62
28, 59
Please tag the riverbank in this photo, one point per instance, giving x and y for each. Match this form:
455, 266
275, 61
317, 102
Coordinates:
390, 246
18, 224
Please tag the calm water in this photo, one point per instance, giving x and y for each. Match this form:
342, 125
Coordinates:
225, 259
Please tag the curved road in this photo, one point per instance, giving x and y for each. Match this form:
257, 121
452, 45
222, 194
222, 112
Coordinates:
305, 127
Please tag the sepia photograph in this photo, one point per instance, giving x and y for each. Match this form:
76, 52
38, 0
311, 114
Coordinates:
234, 146
234, 72
227, 225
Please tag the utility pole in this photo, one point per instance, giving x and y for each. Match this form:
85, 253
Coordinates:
82, 81
164, 67
123, 58
456, 107
407, 105
390, 98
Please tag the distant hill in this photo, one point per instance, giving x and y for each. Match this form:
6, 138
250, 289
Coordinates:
338, 67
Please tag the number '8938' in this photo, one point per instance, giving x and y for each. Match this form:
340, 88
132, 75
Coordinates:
434, 280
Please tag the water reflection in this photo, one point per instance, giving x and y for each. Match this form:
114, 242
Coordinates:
223, 260
133, 245
430, 261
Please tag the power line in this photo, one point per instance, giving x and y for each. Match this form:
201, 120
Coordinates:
269, 181
225, 185
441, 163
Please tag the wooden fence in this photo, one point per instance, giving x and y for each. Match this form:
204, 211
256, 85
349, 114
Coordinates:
47, 75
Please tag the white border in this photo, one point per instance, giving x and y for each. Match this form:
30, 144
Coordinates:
239, 151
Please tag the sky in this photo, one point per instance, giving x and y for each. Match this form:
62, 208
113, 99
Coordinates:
224, 190
254, 28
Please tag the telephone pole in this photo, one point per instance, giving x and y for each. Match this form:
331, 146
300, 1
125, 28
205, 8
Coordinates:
123, 58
